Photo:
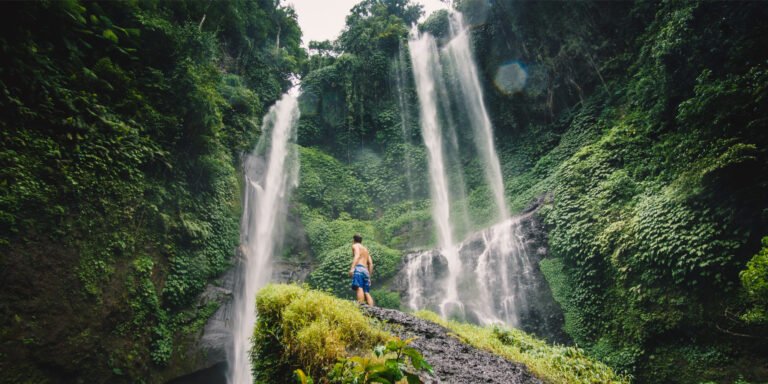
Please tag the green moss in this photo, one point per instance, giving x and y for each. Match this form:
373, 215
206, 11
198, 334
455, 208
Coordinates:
554, 273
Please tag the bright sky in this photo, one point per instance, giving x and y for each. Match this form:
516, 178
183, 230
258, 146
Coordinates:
324, 19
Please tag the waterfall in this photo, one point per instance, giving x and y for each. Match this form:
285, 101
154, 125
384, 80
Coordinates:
499, 280
271, 173
427, 73
460, 58
492, 267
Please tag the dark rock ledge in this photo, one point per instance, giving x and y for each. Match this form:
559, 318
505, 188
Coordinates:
452, 360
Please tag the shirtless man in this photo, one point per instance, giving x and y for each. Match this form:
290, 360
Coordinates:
361, 270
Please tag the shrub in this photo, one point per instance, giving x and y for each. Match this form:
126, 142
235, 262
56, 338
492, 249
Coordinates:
386, 299
328, 234
311, 330
754, 279
330, 187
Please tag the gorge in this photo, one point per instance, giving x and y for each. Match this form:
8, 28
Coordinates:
591, 173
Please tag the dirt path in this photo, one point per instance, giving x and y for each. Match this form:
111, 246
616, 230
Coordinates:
453, 361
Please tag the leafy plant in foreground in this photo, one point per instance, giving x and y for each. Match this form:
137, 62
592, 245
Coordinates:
754, 279
363, 370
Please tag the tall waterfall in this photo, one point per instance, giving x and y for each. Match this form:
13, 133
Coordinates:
271, 173
487, 277
459, 55
427, 72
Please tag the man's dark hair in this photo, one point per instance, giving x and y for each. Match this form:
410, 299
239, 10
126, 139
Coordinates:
357, 238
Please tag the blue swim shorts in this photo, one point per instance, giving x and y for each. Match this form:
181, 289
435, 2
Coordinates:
360, 279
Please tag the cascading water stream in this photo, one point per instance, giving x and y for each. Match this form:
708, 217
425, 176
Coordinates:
494, 281
460, 56
426, 72
271, 173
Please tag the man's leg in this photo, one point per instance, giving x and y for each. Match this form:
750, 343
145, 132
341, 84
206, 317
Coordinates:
360, 295
369, 299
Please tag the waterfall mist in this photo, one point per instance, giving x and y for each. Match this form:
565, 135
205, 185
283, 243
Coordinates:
271, 173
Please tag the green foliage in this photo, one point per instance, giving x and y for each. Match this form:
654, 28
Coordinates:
308, 329
302, 377
407, 225
348, 101
378, 25
392, 177
388, 365
325, 234
553, 364
647, 155
241, 114
687, 363
437, 24
754, 279
386, 299
329, 187
558, 280
122, 126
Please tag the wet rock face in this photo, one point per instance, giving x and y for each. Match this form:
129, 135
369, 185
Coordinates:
421, 279
452, 361
216, 338
206, 357
500, 280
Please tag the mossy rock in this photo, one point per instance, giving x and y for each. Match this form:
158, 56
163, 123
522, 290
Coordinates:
307, 329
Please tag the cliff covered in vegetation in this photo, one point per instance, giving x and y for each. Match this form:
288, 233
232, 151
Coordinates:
122, 129
655, 153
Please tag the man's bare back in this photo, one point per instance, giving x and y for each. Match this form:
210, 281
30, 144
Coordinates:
362, 257
361, 270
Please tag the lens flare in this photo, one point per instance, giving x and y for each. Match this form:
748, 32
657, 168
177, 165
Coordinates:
510, 78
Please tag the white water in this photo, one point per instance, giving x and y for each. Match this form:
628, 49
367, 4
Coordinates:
460, 57
504, 270
426, 72
271, 173
493, 280
497, 276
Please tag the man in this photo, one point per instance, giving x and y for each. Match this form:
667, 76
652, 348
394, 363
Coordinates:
361, 270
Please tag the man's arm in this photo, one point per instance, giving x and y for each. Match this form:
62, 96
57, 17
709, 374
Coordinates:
355, 254
370, 265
